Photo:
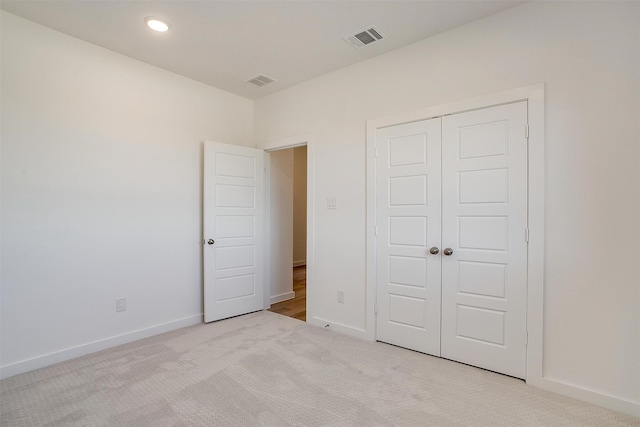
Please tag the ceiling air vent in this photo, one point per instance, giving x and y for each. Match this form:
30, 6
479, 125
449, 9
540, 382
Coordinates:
260, 80
364, 38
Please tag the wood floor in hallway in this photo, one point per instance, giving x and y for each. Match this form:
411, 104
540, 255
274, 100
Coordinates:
296, 307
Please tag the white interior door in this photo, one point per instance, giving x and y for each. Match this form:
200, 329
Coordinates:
408, 175
233, 230
484, 205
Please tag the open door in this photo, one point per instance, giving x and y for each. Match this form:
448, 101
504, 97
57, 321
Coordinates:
233, 213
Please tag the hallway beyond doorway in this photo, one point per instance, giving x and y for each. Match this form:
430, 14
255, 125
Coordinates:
297, 306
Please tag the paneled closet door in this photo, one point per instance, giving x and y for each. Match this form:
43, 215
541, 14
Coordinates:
408, 178
484, 206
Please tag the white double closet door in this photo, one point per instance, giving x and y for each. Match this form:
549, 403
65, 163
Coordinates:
451, 220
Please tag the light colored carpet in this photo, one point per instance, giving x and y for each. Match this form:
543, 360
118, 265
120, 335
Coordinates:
271, 370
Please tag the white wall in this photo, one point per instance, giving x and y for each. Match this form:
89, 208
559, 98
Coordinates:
101, 194
299, 205
281, 220
587, 55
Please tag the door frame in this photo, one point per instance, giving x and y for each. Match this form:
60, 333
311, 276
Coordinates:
534, 94
283, 144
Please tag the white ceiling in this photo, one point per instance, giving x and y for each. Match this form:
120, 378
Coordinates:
224, 43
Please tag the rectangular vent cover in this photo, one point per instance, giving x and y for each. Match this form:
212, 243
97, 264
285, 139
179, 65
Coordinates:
364, 38
260, 80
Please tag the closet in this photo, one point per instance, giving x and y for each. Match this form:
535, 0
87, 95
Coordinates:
451, 236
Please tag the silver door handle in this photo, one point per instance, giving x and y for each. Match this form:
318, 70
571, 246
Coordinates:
434, 251
448, 251
211, 241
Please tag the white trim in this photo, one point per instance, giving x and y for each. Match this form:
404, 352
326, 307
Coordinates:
576, 392
91, 347
370, 241
290, 142
535, 286
535, 259
311, 229
478, 102
338, 327
267, 231
283, 297
299, 263
281, 144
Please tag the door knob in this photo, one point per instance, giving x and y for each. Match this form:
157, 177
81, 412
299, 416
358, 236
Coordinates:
211, 241
434, 251
448, 251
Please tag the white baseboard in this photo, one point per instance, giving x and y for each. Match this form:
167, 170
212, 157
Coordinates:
576, 392
300, 263
338, 327
282, 297
91, 347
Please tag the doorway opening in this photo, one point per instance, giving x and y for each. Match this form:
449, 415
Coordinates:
287, 211
297, 306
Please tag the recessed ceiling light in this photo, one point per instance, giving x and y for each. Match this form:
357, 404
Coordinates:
156, 24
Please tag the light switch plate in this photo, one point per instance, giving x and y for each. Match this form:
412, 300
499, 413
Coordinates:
331, 203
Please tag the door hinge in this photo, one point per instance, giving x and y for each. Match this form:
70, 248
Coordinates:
375, 230
526, 130
375, 308
526, 235
526, 337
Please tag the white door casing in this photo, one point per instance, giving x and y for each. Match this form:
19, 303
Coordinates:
233, 220
484, 222
408, 223
478, 279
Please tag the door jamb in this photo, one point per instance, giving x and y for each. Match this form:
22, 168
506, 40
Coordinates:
283, 144
534, 94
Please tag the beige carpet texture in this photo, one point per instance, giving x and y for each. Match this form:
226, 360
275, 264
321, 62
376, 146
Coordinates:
263, 369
